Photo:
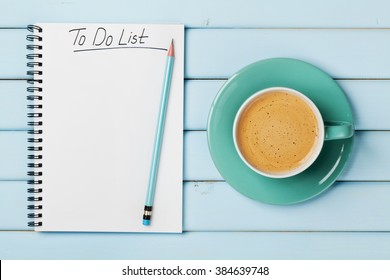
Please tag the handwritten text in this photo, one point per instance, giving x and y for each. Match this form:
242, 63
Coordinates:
101, 39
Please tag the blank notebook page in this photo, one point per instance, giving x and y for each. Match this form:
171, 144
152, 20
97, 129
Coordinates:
101, 93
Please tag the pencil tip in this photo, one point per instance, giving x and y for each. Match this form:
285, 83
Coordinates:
171, 51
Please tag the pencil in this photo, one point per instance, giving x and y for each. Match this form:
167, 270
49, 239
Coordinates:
159, 136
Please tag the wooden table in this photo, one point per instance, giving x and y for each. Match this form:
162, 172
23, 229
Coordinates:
350, 41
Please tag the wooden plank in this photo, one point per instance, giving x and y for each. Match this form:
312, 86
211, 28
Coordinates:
369, 160
338, 209
13, 102
215, 206
203, 14
13, 205
333, 50
13, 52
341, 53
13, 155
198, 96
195, 245
369, 100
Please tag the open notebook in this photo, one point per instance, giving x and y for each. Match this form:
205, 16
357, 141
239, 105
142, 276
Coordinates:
95, 95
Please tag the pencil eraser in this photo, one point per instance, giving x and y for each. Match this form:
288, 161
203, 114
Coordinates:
146, 222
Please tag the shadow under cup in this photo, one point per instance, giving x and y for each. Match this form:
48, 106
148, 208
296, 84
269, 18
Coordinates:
279, 132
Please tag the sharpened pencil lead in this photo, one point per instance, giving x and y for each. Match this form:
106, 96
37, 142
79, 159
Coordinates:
171, 51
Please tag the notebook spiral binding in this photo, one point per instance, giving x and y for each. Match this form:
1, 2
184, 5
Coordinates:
34, 96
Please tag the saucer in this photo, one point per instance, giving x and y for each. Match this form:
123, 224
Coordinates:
278, 72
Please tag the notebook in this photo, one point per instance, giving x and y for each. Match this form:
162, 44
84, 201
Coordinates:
95, 92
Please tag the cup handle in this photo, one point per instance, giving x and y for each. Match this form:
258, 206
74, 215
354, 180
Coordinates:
335, 130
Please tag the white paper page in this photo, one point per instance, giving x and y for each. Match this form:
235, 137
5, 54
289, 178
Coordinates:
101, 96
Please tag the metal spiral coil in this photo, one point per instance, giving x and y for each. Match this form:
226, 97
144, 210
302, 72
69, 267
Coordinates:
35, 122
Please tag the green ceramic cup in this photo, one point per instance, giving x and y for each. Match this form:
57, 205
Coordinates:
314, 83
327, 130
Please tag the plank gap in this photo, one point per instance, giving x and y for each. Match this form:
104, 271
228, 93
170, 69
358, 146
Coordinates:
291, 231
217, 231
356, 130
225, 79
243, 28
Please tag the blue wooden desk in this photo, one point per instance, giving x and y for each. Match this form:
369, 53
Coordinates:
350, 41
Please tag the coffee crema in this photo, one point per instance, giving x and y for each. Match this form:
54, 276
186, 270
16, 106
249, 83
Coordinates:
277, 132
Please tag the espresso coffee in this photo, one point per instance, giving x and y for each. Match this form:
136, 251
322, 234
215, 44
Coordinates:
277, 132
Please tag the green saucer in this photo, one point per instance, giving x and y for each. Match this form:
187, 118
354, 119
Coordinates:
278, 72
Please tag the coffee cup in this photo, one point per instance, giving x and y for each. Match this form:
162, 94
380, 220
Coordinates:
279, 132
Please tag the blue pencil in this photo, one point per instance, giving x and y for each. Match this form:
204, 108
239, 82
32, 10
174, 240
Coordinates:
159, 135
